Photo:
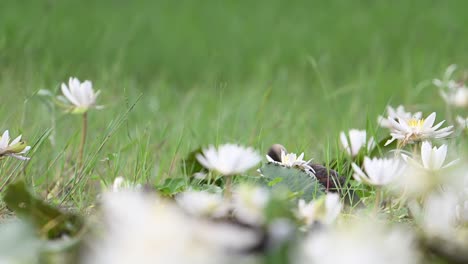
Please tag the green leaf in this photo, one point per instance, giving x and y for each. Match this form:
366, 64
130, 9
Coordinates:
172, 186
275, 181
190, 164
294, 179
50, 222
382, 149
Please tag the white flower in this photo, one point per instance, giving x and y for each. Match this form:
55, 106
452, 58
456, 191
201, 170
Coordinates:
80, 95
229, 159
291, 160
359, 242
326, 209
142, 228
432, 158
120, 184
395, 114
379, 172
413, 130
249, 203
453, 93
202, 203
15, 148
355, 140
456, 96
462, 122
440, 215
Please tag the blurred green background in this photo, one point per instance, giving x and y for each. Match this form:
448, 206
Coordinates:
254, 72
187, 41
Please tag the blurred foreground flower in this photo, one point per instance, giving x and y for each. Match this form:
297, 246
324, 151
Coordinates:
462, 122
120, 184
359, 243
249, 204
80, 97
432, 158
15, 148
142, 228
355, 140
440, 215
324, 210
378, 172
453, 92
395, 114
291, 160
202, 203
229, 159
414, 130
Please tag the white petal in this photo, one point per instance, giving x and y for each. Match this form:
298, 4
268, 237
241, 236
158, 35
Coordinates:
426, 154
4, 140
66, 92
429, 122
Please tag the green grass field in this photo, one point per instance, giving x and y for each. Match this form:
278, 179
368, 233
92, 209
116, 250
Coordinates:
176, 75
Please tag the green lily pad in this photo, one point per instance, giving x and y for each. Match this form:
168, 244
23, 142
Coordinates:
305, 185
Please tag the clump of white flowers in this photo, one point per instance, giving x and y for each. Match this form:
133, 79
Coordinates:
15, 148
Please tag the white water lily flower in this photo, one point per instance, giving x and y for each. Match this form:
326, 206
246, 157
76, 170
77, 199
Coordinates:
249, 203
432, 158
440, 215
15, 148
378, 172
120, 184
325, 210
462, 122
395, 114
291, 160
143, 228
355, 140
425, 172
359, 242
456, 96
80, 94
453, 92
413, 130
229, 159
202, 203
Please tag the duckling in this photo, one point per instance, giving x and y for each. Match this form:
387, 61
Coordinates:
329, 178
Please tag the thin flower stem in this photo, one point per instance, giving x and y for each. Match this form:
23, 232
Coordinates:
416, 148
84, 130
228, 188
378, 198
449, 114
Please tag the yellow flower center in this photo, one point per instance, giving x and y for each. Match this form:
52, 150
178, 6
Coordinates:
416, 123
